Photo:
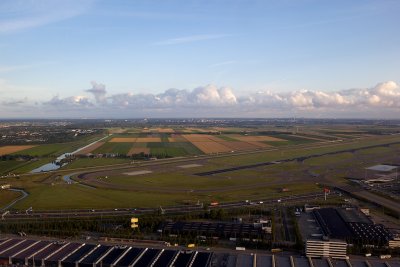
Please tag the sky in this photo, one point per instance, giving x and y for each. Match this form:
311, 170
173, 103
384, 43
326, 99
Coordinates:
199, 58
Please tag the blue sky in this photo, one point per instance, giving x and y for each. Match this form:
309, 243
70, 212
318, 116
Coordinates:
300, 57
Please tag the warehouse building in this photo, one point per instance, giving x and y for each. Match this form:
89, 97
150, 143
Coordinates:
60, 253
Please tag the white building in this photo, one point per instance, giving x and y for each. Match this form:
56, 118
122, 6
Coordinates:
320, 248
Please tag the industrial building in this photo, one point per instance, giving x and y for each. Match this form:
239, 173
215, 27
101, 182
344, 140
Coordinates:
322, 248
221, 230
339, 227
352, 226
60, 253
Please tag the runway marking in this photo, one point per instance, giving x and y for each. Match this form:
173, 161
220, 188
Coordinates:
189, 166
137, 173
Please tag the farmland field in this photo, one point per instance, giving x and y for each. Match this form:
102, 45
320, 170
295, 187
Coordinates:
211, 147
138, 150
13, 149
91, 148
123, 140
114, 148
88, 162
297, 162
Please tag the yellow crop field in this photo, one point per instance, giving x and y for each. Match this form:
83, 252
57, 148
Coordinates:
12, 149
164, 130
211, 147
148, 139
198, 137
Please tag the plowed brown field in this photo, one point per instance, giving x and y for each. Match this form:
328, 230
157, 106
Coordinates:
138, 150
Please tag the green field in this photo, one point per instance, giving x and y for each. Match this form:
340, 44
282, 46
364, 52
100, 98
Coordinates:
113, 148
54, 150
169, 183
290, 140
89, 162
19, 167
10, 166
176, 149
48, 150
75, 196
7, 197
329, 159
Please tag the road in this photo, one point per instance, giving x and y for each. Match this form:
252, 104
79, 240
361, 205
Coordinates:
370, 197
83, 213
364, 194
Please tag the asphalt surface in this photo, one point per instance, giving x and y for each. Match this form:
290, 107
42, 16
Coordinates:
84, 213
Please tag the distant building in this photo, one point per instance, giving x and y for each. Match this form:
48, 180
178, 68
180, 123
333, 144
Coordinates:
394, 243
321, 248
310, 208
5, 186
351, 225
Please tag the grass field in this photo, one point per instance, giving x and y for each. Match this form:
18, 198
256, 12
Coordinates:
61, 196
174, 149
7, 197
290, 140
375, 151
87, 162
54, 150
9, 165
329, 159
114, 148
51, 150
310, 150
168, 184
21, 166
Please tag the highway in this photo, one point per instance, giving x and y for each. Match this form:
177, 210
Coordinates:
370, 197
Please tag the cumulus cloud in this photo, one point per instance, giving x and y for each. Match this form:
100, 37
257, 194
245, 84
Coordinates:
68, 102
205, 96
99, 91
380, 101
384, 95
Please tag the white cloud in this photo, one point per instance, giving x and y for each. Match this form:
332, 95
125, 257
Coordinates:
382, 100
99, 91
69, 102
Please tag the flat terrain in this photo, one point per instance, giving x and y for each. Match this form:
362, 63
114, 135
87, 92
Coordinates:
295, 167
4, 150
7, 196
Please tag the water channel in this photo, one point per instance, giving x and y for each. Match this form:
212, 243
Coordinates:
56, 164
